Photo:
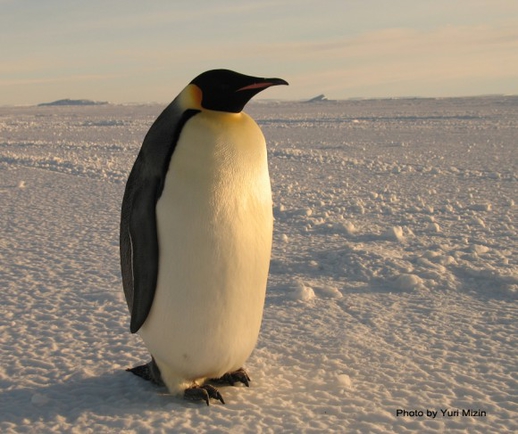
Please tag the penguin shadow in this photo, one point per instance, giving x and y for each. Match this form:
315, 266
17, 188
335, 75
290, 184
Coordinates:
114, 393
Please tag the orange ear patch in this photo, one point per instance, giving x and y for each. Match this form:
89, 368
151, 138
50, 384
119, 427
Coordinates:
190, 97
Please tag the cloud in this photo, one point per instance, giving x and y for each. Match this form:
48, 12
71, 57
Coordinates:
59, 79
399, 55
148, 51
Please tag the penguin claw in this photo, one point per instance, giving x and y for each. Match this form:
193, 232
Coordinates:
202, 393
239, 376
148, 372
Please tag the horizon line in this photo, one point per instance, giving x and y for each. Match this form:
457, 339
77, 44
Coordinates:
89, 102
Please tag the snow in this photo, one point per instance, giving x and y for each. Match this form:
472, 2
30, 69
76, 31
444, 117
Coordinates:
393, 283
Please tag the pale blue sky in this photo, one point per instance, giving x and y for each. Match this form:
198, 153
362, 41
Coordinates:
142, 51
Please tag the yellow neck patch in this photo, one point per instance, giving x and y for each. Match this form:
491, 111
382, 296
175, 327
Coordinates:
190, 98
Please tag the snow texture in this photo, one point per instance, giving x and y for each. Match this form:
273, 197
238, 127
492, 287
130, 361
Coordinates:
393, 283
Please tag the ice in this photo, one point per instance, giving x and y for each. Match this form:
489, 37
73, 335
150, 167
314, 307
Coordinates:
393, 282
302, 292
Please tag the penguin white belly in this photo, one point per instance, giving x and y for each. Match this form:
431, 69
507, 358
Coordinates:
215, 224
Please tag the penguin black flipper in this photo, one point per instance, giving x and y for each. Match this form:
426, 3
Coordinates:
138, 231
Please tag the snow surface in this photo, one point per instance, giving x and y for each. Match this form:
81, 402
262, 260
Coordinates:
393, 282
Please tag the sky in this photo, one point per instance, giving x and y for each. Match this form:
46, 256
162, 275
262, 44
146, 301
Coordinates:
126, 51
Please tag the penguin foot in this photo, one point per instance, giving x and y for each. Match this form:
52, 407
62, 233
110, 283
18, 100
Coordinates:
239, 376
148, 372
202, 393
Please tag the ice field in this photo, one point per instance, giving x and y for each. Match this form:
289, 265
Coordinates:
392, 297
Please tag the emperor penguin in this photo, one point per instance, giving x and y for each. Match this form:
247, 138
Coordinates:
196, 236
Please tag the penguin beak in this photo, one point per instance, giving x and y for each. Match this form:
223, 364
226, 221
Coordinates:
264, 84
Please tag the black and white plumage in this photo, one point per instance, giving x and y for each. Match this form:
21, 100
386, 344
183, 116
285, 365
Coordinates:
195, 236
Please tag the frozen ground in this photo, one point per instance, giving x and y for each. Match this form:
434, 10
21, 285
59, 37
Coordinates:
393, 282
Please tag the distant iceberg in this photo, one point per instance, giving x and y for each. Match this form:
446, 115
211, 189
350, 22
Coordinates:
60, 102
319, 98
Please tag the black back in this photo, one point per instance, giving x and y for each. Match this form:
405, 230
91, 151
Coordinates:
139, 247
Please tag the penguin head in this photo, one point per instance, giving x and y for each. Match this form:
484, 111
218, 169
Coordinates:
228, 91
